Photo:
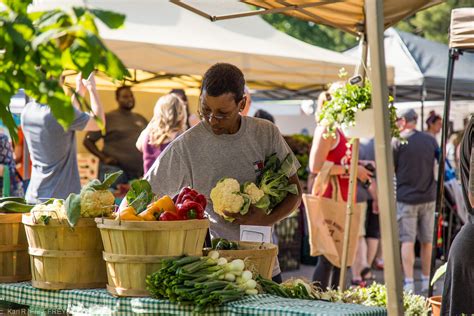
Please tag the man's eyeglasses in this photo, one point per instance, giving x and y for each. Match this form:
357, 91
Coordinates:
206, 114
209, 115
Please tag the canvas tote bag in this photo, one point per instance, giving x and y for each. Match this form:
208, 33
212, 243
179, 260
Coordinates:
326, 220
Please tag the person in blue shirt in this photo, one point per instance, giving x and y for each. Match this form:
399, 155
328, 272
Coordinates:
53, 149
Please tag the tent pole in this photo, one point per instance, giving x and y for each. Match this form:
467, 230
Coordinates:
351, 201
453, 56
422, 99
384, 156
361, 69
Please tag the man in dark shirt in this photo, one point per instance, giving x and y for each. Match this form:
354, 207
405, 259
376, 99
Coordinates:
458, 290
416, 195
122, 131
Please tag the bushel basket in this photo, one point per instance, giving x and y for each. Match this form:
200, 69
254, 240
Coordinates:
261, 256
134, 249
63, 257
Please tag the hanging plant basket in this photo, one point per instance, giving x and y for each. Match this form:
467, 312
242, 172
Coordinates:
350, 109
364, 125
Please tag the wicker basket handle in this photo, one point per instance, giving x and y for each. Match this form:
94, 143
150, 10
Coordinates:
52, 212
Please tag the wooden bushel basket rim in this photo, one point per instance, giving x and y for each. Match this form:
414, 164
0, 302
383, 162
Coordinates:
9, 218
39, 252
30, 220
106, 223
110, 257
254, 252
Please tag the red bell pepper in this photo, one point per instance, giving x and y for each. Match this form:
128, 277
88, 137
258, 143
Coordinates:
167, 216
181, 194
201, 199
190, 210
189, 195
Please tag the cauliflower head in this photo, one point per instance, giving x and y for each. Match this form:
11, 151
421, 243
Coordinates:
55, 209
253, 191
257, 196
226, 196
96, 203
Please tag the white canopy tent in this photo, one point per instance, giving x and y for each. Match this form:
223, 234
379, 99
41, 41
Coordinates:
167, 41
420, 68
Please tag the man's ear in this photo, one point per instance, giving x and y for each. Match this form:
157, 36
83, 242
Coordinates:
242, 103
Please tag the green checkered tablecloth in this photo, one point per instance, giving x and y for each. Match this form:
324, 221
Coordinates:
99, 302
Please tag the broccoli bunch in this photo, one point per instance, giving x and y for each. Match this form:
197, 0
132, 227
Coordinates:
274, 180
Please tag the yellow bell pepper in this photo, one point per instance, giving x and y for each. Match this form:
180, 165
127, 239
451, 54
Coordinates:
165, 204
129, 214
148, 214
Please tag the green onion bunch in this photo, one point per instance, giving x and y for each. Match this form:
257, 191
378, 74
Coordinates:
201, 281
293, 288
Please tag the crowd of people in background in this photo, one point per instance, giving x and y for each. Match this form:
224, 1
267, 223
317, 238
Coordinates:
130, 142
415, 165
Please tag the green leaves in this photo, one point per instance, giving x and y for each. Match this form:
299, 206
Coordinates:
111, 19
139, 195
18, 6
345, 102
82, 57
35, 48
96, 185
439, 273
73, 208
274, 180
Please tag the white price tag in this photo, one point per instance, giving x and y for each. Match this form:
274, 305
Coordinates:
256, 233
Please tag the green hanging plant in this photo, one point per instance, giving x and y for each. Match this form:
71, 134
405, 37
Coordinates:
346, 101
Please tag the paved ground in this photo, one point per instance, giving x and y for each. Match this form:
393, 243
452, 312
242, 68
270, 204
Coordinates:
306, 271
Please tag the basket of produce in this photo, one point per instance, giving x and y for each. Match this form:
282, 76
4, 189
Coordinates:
64, 242
14, 259
259, 256
148, 231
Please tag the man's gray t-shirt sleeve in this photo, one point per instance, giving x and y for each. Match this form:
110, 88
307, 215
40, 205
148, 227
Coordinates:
80, 120
282, 149
169, 173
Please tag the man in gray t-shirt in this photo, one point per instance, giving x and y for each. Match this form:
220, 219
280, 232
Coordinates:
223, 144
53, 150
416, 195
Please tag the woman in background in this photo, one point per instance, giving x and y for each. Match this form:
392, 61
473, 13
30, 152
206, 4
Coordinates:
168, 122
337, 151
434, 123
